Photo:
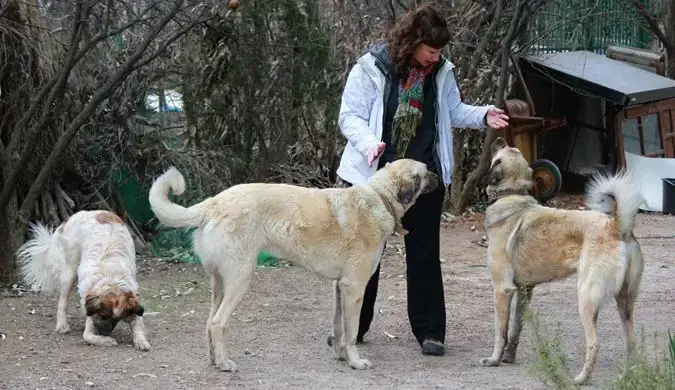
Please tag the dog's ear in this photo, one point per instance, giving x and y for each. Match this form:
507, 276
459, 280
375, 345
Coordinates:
92, 304
498, 144
408, 187
133, 306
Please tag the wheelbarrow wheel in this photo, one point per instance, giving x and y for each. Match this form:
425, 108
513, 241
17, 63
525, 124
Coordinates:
547, 179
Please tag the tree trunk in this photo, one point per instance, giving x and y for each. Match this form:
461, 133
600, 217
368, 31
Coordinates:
472, 179
11, 238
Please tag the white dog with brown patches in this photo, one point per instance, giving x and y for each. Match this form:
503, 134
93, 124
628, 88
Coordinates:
96, 249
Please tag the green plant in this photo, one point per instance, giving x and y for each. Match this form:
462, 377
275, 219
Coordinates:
646, 371
642, 370
174, 245
550, 366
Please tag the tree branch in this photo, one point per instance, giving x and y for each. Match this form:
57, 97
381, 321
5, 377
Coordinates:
162, 48
98, 97
653, 24
56, 90
473, 68
490, 134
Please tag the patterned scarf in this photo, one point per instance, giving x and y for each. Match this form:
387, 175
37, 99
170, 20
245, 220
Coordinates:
409, 111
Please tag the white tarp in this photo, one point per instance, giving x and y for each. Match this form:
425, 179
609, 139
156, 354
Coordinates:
649, 171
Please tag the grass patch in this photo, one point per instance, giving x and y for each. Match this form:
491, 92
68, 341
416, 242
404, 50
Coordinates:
550, 365
175, 246
644, 371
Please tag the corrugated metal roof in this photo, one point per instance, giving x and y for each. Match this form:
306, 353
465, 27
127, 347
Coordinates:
596, 74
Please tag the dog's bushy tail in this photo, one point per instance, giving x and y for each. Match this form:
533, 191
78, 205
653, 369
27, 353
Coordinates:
168, 212
617, 195
41, 258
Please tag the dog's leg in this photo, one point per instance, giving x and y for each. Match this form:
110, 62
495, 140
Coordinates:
216, 299
625, 301
337, 339
503, 297
91, 336
236, 283
589, 299
625, 304
523, 298
138, 331
68, 277
352, 298
504, 287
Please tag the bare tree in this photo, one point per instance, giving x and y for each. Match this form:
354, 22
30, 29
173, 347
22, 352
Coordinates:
667, 37
92, 29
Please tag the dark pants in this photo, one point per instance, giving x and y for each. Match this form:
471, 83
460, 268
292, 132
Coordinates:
426, 300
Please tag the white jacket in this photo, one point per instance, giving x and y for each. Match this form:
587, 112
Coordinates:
361, 118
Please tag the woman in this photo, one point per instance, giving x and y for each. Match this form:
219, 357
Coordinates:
401, 100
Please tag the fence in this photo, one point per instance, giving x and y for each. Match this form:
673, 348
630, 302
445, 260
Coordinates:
592, 25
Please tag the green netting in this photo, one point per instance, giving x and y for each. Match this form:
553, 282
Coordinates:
175, 245
132, 197
171, 244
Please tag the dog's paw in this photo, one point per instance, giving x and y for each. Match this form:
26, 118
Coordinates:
509, 358
488, 362
227, 365
142, 345
361, 364
107, 341
580, 379
62, 328
104, 341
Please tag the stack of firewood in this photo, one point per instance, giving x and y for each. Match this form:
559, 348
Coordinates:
53, 206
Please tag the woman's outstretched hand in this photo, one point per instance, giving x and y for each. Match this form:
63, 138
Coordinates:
375, 152
496, 118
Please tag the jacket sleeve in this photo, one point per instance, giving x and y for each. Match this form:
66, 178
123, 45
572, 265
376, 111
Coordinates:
463, 115
358, 97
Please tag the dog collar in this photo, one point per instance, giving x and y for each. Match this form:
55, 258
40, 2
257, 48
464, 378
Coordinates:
397, 223
504, 194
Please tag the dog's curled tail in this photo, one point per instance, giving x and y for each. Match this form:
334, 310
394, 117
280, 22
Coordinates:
41, 258
168, 212
617, 195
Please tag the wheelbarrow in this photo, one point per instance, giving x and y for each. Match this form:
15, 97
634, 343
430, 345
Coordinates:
522, 134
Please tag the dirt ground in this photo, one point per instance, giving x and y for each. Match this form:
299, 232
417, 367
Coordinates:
278, 334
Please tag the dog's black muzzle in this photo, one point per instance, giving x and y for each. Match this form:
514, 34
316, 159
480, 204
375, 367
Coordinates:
431, 183
105, 325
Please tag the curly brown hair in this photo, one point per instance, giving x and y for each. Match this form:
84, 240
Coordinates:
424, 24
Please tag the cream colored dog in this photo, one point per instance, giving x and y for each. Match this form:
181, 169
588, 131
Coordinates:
96, 249
338, 233
530, 244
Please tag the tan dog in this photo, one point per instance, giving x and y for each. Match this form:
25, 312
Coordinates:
338, 233
95, 249
530, 244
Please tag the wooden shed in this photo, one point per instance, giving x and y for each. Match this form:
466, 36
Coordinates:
609, 107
